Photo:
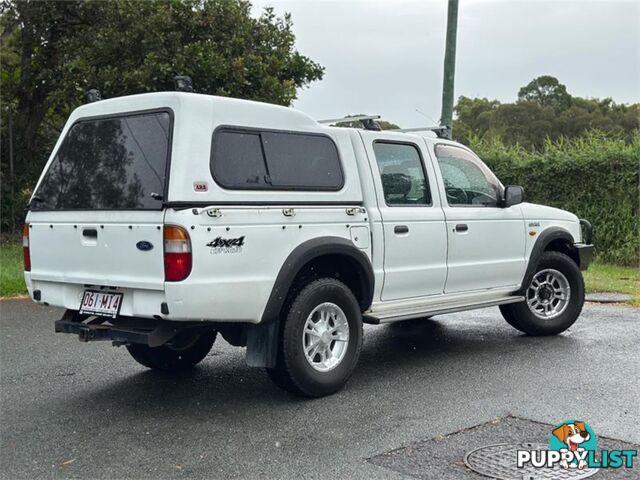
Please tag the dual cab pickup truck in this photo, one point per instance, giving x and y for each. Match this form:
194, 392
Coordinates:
164, 219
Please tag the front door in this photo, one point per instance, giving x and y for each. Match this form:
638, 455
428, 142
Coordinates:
486, 243
415, 239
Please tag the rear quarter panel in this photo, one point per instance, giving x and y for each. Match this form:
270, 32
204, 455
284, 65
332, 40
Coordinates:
234, 283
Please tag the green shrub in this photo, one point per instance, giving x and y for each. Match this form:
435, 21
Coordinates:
594, 176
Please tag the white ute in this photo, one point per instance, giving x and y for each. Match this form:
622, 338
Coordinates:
163, 219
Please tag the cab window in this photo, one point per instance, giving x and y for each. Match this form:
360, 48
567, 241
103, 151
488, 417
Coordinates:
402, 174
467, 180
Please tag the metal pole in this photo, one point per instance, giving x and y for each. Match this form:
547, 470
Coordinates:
446, 119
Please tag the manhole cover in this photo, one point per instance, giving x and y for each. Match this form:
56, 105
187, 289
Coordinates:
460, 455
499, 462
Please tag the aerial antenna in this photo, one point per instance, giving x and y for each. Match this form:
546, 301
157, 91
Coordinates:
425, 115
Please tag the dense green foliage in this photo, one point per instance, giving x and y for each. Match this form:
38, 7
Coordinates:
544, 110
53, 52
594, 176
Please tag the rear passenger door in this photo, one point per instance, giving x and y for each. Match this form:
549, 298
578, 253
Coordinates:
415, 237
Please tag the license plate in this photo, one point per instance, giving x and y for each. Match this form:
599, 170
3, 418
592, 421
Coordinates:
105, 304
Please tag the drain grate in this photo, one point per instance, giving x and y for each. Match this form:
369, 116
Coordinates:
498, 461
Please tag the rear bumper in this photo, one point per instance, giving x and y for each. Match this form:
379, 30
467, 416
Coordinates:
188, 301
585, 253
137, 302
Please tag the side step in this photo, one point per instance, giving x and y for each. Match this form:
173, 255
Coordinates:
417, 311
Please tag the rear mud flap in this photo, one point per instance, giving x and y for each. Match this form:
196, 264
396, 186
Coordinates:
262, 344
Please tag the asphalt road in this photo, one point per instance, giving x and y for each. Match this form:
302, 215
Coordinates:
89, 411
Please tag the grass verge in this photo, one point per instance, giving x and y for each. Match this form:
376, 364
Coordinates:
611, 278
599, 277
11, 278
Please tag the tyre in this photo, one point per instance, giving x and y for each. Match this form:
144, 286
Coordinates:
320, 340
183, 351
553, 298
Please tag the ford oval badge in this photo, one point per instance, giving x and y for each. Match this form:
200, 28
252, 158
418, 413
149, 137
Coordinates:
144, 245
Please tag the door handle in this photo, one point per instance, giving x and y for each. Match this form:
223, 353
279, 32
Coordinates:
90, 232
400, 229
462, 227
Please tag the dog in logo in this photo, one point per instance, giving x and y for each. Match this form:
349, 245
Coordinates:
572, 435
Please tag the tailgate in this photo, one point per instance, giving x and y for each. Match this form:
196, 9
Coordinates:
98, 248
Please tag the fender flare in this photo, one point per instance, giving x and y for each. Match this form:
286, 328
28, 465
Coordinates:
303, 254
262, 338
546, 237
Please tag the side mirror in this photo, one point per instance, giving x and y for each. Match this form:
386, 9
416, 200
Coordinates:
513, 195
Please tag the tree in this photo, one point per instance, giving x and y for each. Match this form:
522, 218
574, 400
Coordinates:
525, 123
544, 110
546, 91
52, 52
473, 117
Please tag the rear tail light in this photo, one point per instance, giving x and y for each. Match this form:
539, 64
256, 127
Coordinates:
177, 253
26, 255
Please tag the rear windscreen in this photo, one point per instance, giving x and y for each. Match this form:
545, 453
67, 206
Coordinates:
109, 163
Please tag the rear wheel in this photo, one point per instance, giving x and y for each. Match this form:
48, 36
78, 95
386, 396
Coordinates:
320, 340
553, 299
183, 351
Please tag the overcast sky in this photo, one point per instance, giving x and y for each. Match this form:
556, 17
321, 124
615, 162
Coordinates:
385, 56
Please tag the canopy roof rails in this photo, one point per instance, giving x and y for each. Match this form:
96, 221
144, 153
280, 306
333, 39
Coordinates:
441, 131
367, 121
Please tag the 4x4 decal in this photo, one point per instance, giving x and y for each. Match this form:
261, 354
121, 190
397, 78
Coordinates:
226, 245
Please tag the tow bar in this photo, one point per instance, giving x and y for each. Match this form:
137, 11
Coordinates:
121, 331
